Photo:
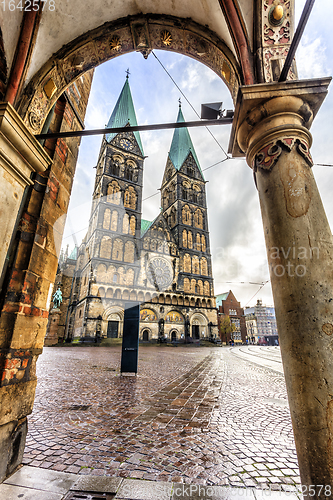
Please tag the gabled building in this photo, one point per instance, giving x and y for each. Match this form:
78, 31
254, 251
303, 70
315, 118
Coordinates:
164, 264
227, 305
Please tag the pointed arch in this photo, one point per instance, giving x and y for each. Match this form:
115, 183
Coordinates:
114, 220
117, 251
195, 265
130, 198
129, 251
198, 219
204, 266
198, 242
190, 240
184, 238
113, 193
132, 225
203, 243
187, 263
125, 223
186, 215
100, 272
107, 219
105, 247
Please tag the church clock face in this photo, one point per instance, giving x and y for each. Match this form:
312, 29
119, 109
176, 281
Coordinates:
126, 144
160, 273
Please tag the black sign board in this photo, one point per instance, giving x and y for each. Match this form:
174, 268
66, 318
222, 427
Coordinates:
130, 346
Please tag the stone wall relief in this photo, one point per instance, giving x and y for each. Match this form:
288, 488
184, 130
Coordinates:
277, 32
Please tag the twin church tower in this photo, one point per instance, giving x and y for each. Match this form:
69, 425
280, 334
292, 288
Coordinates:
164, 264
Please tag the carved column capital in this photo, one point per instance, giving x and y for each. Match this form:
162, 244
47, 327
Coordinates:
276, 116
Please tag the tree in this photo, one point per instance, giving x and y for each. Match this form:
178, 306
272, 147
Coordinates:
226, 328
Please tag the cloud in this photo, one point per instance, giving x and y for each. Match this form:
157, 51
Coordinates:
311, 58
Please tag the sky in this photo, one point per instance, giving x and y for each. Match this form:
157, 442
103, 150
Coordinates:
236, 234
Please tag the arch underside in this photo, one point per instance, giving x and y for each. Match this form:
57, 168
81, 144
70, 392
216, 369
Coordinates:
139, 33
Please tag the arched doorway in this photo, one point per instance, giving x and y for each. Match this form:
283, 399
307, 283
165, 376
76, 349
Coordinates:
174, 335
145, 335
199, 326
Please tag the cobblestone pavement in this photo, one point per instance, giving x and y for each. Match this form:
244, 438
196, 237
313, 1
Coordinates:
192, 415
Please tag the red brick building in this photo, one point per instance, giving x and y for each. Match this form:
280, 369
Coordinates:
228, 305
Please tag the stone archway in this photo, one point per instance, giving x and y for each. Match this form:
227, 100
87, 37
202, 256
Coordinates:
271, 129
121, 37
199, 326
113, 322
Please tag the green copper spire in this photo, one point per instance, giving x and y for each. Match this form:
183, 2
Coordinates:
124, 114
181, 145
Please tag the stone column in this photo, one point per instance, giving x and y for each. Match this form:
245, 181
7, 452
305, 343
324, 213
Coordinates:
271, 127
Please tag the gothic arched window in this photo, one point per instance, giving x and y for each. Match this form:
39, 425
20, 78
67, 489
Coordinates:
185, 238
113, 193
203, 243
132, 225
190, 240
195, 265
198, 242
105, 248
186, 215
187, 263
107, 219
114, 220
125, 224
130, 198
204, 267
117, 251
198, 219
129, 251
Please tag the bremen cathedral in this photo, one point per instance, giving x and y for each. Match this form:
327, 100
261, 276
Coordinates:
164, 264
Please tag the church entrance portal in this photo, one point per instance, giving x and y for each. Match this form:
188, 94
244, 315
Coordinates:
113, 327
195, 332
145, 336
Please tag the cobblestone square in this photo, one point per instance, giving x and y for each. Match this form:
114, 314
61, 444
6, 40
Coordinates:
192, 415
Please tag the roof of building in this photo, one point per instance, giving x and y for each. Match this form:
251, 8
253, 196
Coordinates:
124, 114
220, 298
145, 225
73, 254
181, 145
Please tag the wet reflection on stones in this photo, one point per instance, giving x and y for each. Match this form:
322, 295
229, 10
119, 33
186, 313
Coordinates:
192, 415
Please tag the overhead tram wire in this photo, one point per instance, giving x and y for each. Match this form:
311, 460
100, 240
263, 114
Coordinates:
186, 99
262, 286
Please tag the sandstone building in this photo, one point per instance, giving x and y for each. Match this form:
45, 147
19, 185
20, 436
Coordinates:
164, 264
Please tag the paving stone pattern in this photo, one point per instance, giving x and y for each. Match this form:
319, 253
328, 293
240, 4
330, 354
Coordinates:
192, 415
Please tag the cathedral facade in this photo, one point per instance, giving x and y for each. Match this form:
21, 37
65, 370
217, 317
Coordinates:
164, 264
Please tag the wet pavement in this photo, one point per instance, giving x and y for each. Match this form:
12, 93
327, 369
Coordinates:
193, 415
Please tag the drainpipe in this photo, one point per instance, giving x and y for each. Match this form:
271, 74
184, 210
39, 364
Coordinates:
22, 52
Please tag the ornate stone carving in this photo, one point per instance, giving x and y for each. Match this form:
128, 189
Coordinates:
34, 120
166, 38
269, 155
115, 43
276, 38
